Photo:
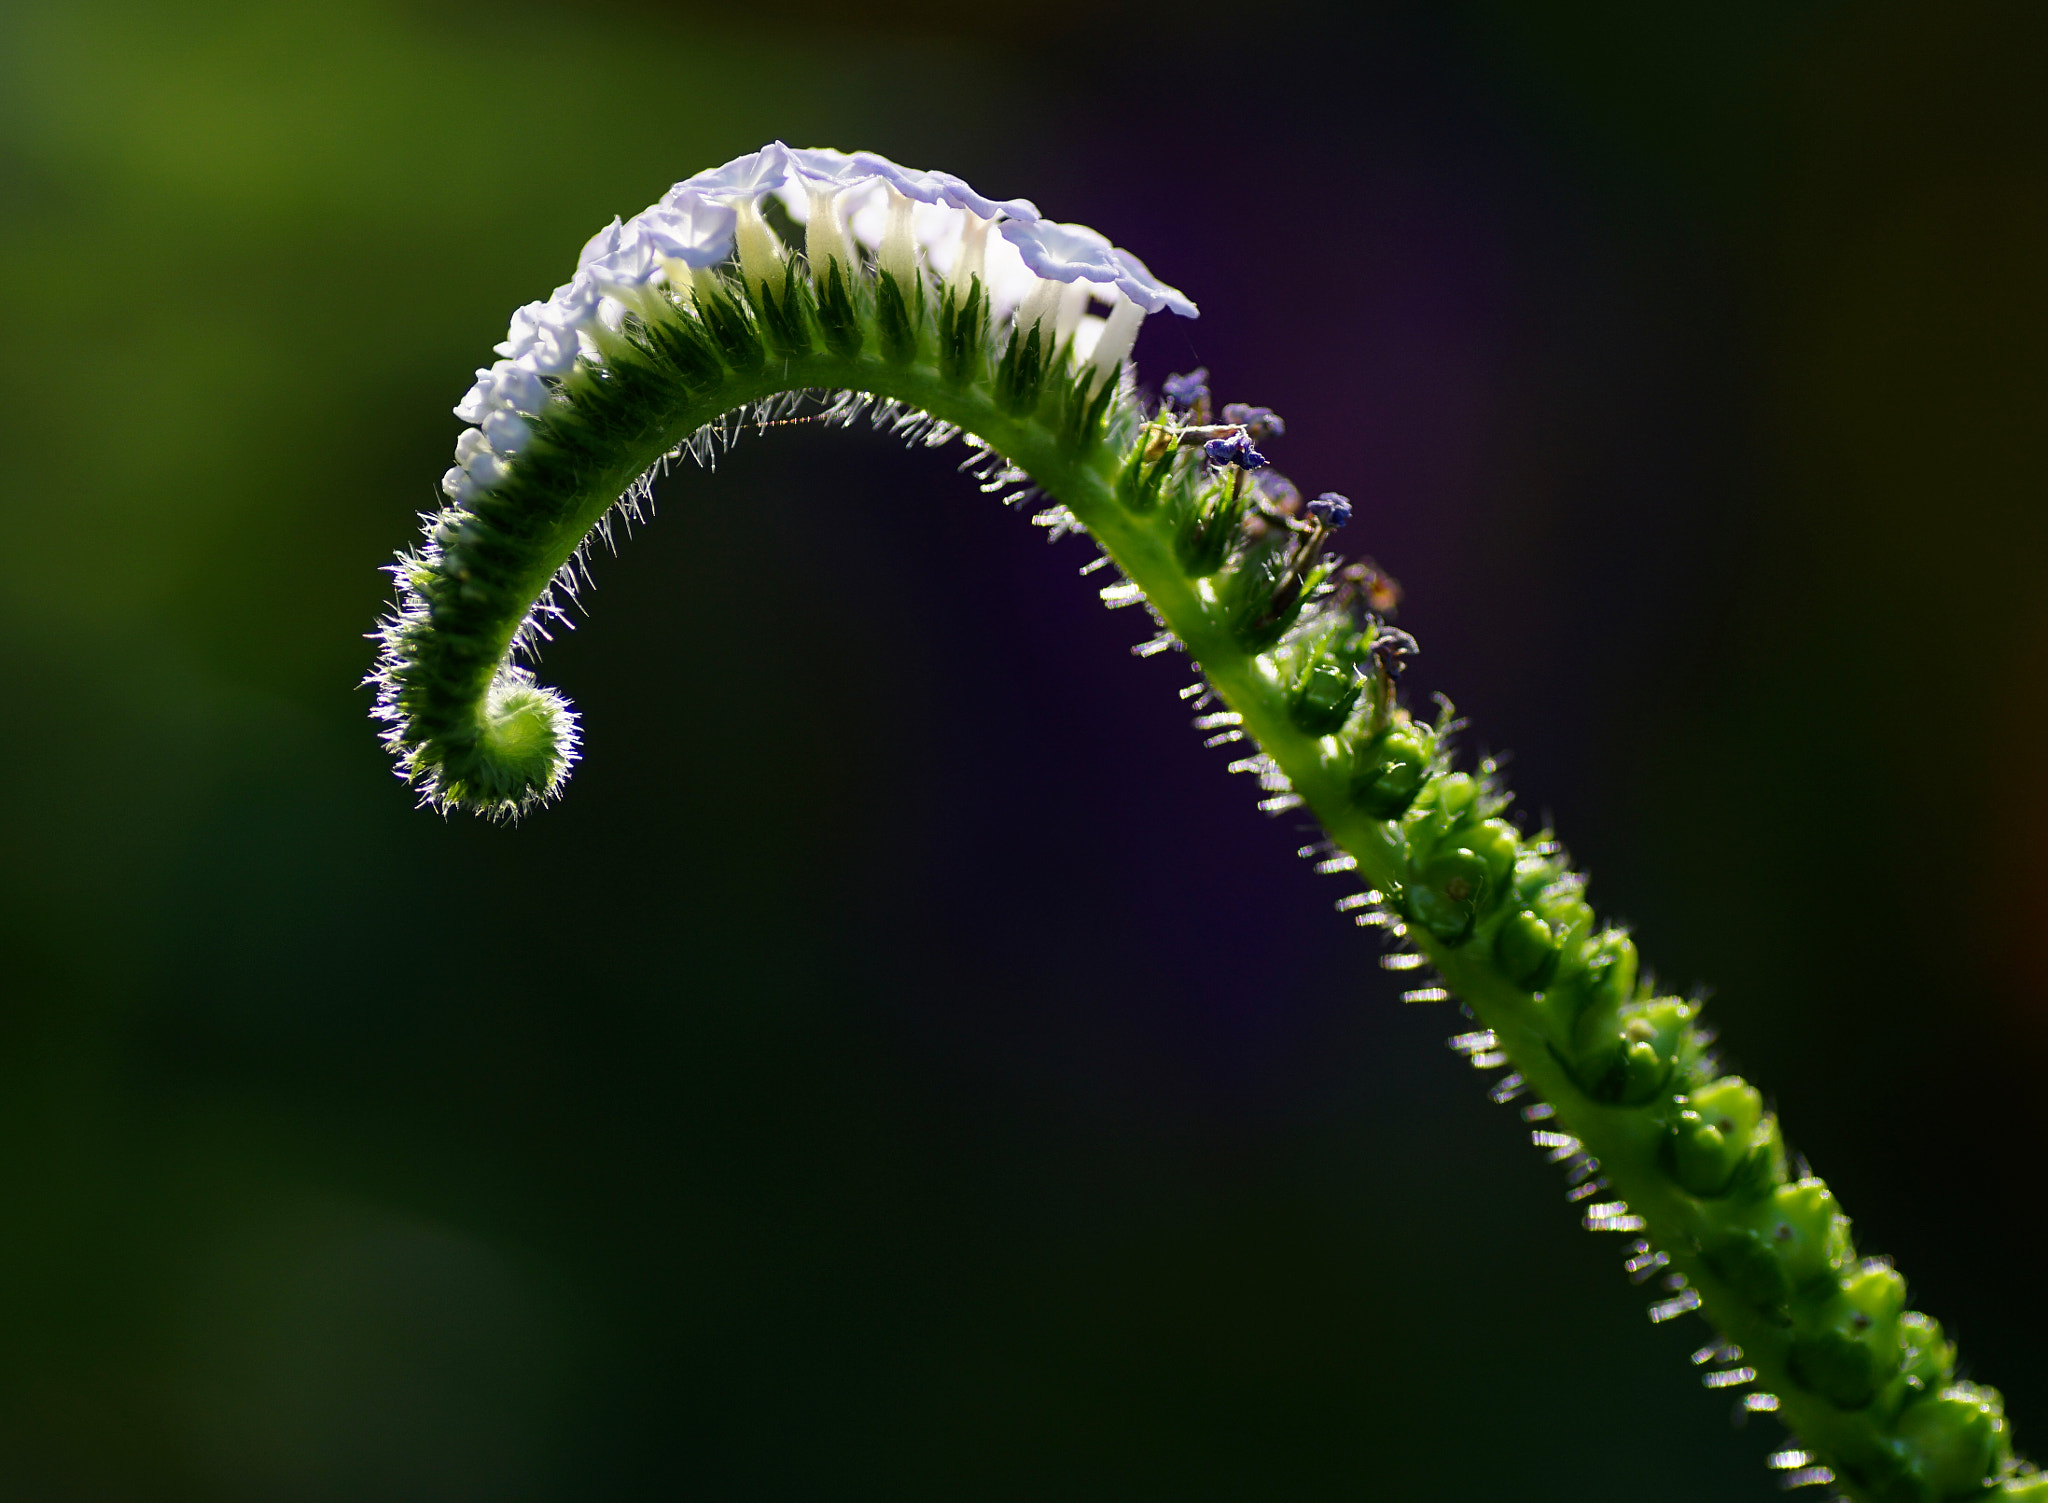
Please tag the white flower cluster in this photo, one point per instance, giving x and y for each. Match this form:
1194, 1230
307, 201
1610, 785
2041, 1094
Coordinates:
1047, 274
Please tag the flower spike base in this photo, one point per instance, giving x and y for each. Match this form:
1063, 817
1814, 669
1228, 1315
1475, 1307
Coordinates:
911, 299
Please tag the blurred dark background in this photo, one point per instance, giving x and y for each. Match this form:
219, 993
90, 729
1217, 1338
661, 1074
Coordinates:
905, 1064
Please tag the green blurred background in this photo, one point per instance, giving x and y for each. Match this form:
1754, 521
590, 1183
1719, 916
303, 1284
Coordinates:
905, 1065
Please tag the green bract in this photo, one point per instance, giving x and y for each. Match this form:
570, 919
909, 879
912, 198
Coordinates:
1619, 1078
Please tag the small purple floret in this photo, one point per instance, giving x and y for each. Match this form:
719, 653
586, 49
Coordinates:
1278, 492
1185, 391
1330, 509
1236, 449
1263, 422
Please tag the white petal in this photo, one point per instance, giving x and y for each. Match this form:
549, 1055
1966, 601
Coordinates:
743, 178
1113, 344
689, 228
1073, 303
1138, 284
955, 191
553, 352
508, 432
1088, 336
479, 398
600, 245
1063, 252
519, 388
485, 468
1008, 279
823, 167
458, 487
911, 182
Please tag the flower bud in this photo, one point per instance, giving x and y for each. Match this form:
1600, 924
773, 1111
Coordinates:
1391, 771
1527, 950
1625, 1054
1955, 1439
1850, 1348
1713, 1135
507, 431
1927, 1362
1324, 698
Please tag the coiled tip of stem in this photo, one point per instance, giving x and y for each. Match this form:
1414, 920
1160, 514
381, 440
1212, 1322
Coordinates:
519, 756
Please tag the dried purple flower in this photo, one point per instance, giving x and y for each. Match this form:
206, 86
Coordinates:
1261, 422
1186, 392
1235, 450
1331, 509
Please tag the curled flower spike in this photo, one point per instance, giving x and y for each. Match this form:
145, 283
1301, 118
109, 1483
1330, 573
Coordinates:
975, 317
1331, 509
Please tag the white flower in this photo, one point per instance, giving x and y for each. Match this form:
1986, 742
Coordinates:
543, 335
471, 443
553, 352
956, 192
1063, 252
746, 177
912, 182
458, 487
519, 388
823, 166
742, 183
486, 469
822, 177
506, 385
1139, 285
942, 187
1070, 252
1109, 349
621, 258
508, 432
480, 398
688, 227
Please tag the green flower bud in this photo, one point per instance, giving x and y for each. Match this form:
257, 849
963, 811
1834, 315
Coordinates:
1599, 980
1325, 697
1927, 1363
1495, 842
1532, 875
1609, 977
1570, 918
1850, 1348
1764, 1169
1747, 1263
1714, 1134
1455, 795
1444, 896
1809, 1235
1625, 1055
1460, 878
1527, 950
1791, 1243
1391, 772
1954, 1440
